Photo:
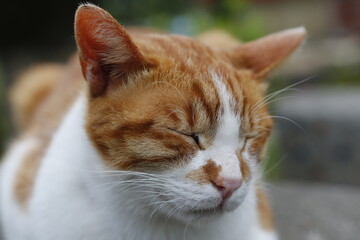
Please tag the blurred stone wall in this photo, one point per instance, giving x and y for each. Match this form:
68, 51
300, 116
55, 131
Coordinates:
321, 139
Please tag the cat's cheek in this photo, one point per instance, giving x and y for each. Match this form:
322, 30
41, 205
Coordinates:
257, 147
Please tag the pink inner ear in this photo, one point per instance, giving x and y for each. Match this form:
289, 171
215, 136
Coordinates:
103, 44
87, 21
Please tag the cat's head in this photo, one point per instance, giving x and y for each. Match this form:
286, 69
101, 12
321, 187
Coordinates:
186, 122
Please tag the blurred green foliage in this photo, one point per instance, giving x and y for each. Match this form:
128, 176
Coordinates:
342, 76
272, 168
190, 17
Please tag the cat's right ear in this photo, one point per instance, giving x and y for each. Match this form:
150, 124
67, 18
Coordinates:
107, 53
264, 54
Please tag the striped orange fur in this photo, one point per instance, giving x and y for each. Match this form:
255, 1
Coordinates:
152, 101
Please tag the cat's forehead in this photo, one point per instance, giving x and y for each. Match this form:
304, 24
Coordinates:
190, 75
182, 49
190, 66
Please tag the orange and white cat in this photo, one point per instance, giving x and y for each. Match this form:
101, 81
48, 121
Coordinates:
162, 141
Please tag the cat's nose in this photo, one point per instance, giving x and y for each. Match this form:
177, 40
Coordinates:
226, 186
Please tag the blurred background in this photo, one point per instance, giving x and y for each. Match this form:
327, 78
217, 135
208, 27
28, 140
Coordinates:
314, 156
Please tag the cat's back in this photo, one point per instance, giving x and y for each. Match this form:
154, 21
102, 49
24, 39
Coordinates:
39, 99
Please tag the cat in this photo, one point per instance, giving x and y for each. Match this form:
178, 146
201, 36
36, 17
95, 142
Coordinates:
162, 140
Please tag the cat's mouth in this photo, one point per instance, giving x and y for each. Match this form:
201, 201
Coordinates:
213, 211
210, 211
207, 210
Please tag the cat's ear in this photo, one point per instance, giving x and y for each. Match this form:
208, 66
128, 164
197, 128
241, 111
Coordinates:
107, 53
263, 54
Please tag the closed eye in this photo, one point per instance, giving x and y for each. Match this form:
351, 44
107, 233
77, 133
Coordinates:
194, 136
245, 138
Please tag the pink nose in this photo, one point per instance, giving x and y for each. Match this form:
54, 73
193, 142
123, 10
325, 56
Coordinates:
226, 186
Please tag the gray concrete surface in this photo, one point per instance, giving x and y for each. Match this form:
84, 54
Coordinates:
308, 211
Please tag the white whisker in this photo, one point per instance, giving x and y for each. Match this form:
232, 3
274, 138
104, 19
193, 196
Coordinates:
268, 97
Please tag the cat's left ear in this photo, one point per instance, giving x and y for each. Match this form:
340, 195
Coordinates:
263, 54
107, 53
